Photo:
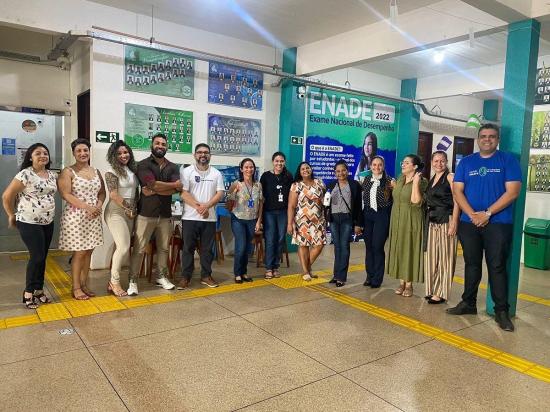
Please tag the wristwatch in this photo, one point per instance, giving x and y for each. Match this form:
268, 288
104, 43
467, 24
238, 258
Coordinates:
488, 212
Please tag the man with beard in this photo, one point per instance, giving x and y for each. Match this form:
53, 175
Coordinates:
158, 179
203, 188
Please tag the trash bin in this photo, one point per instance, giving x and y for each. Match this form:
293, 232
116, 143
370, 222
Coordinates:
536, 251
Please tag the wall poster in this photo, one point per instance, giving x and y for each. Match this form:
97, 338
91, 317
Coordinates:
540, 131
349, 127
538, 178
235, 86
161, 73
142, 122
234, 136
542, 94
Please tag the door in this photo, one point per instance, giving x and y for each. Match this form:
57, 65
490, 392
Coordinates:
425, 151
83, 115
463, 148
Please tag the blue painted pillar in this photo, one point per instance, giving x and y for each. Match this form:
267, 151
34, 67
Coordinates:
490, 110
409, 122
517, 113
291, 119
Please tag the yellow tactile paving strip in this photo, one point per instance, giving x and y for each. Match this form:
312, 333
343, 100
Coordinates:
51, 253
478, 349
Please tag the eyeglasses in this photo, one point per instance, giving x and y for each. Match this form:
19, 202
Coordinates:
202, 153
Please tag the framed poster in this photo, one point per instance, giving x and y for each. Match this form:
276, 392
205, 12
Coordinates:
142, 122
230, 174
540, 131
161, 73
235, 86
234, 136
538, 178
542, 89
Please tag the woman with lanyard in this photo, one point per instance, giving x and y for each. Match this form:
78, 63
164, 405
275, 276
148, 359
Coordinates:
246, 198
344, 215
276, 187
377, 203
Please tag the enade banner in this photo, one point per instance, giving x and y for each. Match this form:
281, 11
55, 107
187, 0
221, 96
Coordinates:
349, 127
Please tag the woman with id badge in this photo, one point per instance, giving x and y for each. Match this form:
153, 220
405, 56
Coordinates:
246, 215
345, 216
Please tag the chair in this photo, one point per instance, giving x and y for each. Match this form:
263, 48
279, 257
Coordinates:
218, 246
260, 251
174, 249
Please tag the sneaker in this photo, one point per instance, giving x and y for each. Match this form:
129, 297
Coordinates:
462, 309
184, 284
165, 283
132, 289
211, 283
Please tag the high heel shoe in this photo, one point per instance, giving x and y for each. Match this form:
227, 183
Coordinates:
42, 298
119, 293
87, 291
30, 303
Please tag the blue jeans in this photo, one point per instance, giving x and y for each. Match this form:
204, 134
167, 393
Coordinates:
243, 231
341, 228
375, 233
275, 222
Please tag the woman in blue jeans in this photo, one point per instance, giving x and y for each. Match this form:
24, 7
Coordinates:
246, 215
377, 204
344, 215
276, 187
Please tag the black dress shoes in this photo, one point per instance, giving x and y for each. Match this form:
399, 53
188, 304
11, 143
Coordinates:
504, 322
375, 286
462, 309
367, 283
333, 280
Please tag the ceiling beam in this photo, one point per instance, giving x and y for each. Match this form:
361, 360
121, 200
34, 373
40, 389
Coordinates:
507, 10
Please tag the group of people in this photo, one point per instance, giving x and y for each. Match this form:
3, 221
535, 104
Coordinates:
419, 219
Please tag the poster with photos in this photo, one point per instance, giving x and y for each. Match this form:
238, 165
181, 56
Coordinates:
235, 86
540, 130
542, 94
161, 73
143, 122
538, 178
234, 136
230, 174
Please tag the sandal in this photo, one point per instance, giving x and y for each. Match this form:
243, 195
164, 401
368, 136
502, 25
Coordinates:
30, 303
306, 277
116, 289
39, 294
87, 291
83, 296
339, 283
268, 274
408, 292
238, 279
276, 273
313, 275
246, 278
400, 289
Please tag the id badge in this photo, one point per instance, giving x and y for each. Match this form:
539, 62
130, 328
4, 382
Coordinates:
280, 197
250, 203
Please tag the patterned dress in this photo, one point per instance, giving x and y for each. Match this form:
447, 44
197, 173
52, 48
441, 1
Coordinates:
309, 222
77, 231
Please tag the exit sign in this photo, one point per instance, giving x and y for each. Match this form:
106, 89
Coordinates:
106, 137
296, 140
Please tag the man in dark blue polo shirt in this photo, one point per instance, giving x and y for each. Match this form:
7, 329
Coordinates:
485, 187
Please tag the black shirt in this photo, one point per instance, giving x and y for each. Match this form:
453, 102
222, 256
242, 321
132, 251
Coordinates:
272, 186
148, 170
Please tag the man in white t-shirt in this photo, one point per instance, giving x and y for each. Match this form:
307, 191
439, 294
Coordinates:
203, 188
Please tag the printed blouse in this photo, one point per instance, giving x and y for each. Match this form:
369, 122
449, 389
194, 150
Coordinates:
36, 203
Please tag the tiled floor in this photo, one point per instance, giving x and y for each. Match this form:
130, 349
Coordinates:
270, 349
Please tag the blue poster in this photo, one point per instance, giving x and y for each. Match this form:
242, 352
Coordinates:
235, 86
8, 146
230, 174
234, 136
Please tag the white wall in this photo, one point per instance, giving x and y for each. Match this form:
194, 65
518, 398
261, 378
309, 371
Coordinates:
363, 80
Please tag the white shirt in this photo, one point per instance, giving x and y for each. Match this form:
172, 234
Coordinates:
202, 185
126, 185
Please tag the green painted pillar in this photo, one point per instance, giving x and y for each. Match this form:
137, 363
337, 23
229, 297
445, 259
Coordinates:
291, 119
490, 110
517, 113
409, 123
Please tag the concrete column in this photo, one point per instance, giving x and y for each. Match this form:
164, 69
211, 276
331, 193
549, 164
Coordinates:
409, 123
517, 112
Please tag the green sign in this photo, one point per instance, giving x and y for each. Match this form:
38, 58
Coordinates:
106, 137
143, 122
296, 140
350, 127
161, 73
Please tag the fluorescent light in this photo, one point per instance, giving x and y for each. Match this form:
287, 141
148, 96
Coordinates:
439, 56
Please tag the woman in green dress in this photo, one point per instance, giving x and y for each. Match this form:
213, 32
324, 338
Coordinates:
405, 260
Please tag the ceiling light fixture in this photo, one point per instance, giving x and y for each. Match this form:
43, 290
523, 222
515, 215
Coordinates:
439, 56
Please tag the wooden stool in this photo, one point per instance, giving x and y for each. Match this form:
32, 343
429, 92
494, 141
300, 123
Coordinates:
218, 246
174, 249
285, 252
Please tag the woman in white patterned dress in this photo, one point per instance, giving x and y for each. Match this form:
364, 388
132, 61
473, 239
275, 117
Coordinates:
82, 188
